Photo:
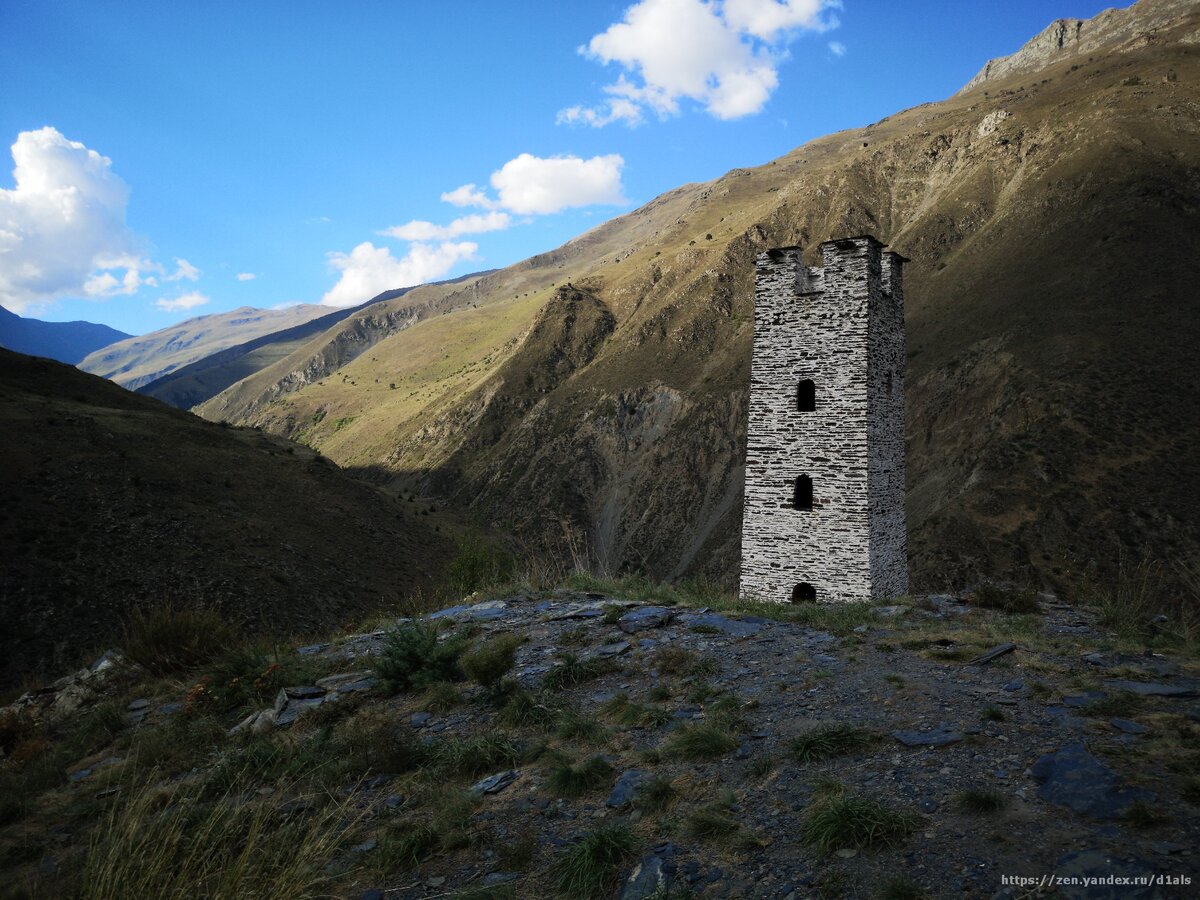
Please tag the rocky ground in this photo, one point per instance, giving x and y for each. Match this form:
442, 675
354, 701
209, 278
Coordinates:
925, 748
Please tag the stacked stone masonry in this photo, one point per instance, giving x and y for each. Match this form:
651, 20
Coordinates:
840, 326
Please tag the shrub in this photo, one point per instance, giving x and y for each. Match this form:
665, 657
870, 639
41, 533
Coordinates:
491, 660
593, 866
173, 638
527, 709
413, 657
656, 795
477, 564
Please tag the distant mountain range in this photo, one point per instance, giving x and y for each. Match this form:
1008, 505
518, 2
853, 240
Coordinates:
67, 342
136, 361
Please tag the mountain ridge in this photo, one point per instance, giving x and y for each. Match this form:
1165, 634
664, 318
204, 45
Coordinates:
68, 342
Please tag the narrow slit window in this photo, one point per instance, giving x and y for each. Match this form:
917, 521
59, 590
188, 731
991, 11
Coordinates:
806, 396
804, 593
803, 497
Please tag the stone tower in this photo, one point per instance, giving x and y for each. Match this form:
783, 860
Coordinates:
824, 512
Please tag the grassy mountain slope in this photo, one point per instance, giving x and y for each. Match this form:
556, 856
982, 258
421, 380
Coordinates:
67, 342
197, 381
1053, 221
140, 360
111, 500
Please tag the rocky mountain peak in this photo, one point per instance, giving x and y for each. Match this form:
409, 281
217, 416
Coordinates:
1144, 22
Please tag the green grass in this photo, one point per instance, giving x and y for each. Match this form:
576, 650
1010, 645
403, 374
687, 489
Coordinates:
175, 637
572, 671
479, 754
981, 802
1143, 816
174, 844
830, 741
593, 866
680, 661
407, 843
575, 781
1020, 601
441, 696
716, 822
993, 714
656, 795
1122, 704
838, 819
572, 725
526, 709
700, 741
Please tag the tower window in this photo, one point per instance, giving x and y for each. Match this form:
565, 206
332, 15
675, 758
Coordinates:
806, 396
803, 497
804, 593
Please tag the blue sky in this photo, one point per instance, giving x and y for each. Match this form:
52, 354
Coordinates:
165, 149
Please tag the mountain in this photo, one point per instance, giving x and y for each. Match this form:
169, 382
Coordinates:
67, 342
111, 500
139, 360
192, 384
593, 399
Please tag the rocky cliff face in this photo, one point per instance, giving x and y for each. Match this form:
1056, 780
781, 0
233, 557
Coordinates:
1144, 23
1053, 224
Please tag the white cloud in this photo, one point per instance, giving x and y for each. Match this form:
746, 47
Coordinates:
368, 270
837, 48
531, 184
187, 301
246, 276
468, 195
418, 230
723, 55
62, 227
184, 271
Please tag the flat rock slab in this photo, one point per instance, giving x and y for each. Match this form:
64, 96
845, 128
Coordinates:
997, 651
648, 879
1128, 726
645, 618
1152, 688
1074, 778
627, 787
1092, 873
734, 628
935, 737
494, 784
1087, 698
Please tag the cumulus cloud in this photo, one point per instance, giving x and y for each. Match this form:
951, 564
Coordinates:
468, 195
246, 276
368, 270
723, 55
186, 301
184, 271
837, 48
418, 230
62, 226
534, 185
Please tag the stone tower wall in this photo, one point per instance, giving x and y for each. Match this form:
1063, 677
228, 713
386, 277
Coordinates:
837, 326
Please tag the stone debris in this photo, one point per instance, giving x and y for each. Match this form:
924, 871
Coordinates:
934, 737
645, 618
494, 784
1074, 778
994, 653
626, 788
1152, 688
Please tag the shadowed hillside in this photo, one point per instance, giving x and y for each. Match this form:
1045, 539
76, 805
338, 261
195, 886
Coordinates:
111, 500
1053, 219
67, 342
